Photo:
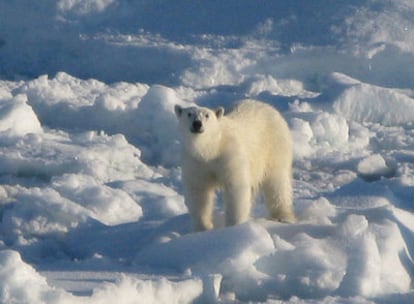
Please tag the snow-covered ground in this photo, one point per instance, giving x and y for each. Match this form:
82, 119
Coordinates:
91, 206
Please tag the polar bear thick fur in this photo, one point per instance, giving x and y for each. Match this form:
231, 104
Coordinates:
241, 153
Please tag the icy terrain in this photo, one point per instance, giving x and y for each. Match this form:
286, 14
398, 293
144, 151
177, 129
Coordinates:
91, 205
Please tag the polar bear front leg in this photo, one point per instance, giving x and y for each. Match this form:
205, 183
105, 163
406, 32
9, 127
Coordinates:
237, 197
200, 202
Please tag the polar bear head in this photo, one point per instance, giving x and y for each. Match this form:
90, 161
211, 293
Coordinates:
199, 128
197, 120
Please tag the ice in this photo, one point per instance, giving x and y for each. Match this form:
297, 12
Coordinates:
91, 201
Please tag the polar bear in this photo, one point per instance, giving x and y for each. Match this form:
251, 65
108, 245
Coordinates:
246, 151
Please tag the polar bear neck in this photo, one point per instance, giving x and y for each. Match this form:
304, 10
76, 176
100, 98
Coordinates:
204, 147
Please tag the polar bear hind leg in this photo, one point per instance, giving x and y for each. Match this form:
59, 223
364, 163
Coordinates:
277, 192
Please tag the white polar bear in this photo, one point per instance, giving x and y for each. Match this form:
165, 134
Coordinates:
248, 150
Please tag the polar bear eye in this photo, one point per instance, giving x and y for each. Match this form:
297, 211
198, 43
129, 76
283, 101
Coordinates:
207, 116
189, 115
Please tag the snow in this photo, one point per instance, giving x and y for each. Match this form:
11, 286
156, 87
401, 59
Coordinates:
91, 203
210, 251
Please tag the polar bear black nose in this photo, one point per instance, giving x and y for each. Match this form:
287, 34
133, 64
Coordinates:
197, 126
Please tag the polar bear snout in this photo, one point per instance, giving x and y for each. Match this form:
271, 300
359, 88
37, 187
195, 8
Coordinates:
197, 126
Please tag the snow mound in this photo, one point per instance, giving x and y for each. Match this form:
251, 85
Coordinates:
131, 290
76, 7
20, 283
374, 166
91, 103
284, 87
46, 155
331, 129
315, 131
363, 102
353, 257
17, 117
156, 199
219, 251
302, 135
374, 266
158, 124
109, 206
34, 214
143, 114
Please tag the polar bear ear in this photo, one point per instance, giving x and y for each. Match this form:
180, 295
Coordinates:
178, 110
219, 112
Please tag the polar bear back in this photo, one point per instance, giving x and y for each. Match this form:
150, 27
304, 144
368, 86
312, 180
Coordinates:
266, 137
